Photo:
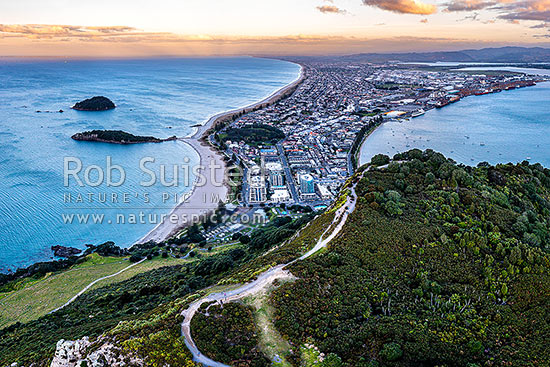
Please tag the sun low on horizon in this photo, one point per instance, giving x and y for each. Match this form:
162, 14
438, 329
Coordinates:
285, 27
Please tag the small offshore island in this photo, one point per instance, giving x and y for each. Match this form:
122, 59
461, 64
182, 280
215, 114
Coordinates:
117, 137
98, 103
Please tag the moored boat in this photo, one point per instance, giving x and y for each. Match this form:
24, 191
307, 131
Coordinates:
417, 113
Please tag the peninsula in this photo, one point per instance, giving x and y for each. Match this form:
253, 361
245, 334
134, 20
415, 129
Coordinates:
117, 137
98, 103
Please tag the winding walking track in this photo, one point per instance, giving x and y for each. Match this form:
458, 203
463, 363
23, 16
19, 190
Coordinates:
261, 282
96, 281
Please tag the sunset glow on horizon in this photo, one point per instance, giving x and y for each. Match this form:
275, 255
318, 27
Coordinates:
192, 27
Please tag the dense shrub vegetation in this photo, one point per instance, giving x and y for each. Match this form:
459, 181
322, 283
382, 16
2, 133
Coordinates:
226, 333
256, 134
439, 265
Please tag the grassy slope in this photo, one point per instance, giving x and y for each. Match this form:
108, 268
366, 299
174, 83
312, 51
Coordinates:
35, 298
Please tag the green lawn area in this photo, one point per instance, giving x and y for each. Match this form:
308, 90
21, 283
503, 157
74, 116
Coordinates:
35, 298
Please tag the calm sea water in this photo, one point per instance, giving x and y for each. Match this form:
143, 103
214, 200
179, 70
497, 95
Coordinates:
153, 97
509, 126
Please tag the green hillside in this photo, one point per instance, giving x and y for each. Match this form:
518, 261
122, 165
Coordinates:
439, 265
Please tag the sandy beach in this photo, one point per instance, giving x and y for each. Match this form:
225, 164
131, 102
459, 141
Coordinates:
202, 199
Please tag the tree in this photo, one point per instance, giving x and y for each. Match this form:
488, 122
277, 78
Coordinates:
332, 360
380, 160
391, 352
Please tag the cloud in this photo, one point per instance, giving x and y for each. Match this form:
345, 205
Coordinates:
513, 11
403, 6
425, 20
536, 10
79, 41
467, 5
331, 9
49, 31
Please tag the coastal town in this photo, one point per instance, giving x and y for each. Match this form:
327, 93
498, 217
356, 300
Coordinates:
328, 183
324, 122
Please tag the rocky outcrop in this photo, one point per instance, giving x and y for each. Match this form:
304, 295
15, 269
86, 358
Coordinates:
79, 353
66, 252
70, 353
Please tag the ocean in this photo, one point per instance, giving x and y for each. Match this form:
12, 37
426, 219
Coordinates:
510, 126
156, 97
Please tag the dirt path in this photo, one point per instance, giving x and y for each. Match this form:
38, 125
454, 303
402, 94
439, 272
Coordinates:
263, 281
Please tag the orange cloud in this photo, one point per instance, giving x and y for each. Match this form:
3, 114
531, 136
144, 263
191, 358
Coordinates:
55, 31
330, 9
403, 6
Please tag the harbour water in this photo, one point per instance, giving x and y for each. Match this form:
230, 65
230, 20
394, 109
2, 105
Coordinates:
510, 126
157, 97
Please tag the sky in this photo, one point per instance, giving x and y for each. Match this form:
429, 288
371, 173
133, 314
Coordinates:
128, 28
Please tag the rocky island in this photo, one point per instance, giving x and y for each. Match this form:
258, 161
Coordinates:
117, 137
98, 103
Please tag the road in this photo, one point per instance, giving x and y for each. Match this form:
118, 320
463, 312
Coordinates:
263, 281
288, 174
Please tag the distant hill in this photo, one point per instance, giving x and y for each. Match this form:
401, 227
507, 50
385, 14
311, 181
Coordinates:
501, 55
485, 55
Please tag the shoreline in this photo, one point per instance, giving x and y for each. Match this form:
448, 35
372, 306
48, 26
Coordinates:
193, 205
356, 155
199, 201
202, 129
359, 151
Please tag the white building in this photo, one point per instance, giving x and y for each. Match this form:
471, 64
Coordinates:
258, 191
280, 196
275, 174
324, 192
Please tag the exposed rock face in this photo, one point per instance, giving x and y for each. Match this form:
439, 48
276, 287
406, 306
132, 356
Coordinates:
70, 353
98, 103
75, 354
62, 251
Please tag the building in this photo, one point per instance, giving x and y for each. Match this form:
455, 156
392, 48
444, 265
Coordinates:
307, 185
258, 191
275, 174
324, 192
280, 196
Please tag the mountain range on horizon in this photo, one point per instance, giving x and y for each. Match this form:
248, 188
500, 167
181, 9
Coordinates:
508, 54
